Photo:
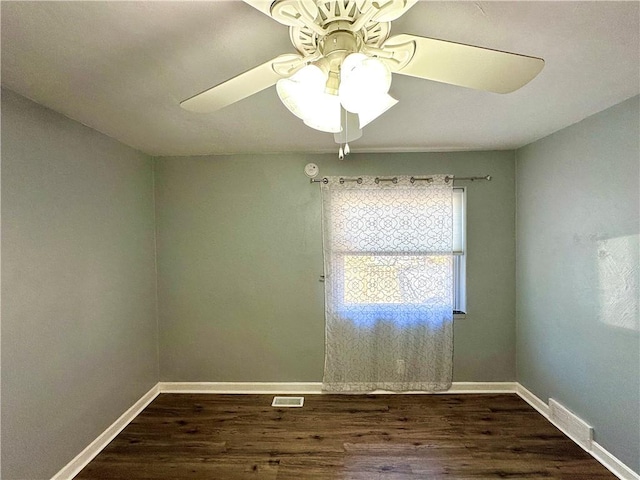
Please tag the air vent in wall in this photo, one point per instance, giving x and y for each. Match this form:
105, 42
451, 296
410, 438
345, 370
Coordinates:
287, 401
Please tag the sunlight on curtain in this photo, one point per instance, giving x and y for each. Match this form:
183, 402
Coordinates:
388, 284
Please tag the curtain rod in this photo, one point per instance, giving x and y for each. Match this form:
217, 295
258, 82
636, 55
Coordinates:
447, 179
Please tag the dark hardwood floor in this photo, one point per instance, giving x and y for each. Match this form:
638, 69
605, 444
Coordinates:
391, 437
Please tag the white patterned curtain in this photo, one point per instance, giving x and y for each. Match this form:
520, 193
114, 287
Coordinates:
388, 284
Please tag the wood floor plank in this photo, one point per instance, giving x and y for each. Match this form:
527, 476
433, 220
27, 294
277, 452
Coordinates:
390, 437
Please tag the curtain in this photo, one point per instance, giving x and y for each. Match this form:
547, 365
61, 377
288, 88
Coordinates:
388, 284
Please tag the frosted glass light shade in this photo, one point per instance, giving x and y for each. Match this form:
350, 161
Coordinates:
374, 107
361, 79
325, 113
303, 94
349, 63
367, 72
297, 91
364, 83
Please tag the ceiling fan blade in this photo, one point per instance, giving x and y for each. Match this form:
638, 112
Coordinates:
292, 13
263, 5
399, 9
244, 85
463, 65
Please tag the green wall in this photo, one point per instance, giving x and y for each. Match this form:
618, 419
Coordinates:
577, 276
79, 329
240, 254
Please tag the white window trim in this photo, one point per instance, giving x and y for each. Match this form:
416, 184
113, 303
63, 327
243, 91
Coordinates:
460, 265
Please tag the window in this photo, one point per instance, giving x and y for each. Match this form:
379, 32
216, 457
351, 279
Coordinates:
374, 279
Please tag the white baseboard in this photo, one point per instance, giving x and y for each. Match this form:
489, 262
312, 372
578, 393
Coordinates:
535, 402
310, 388
571, 425
297, 388
606, 458
482, 387
614, 465
83, 458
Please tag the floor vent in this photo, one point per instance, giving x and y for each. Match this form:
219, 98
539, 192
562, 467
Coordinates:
571, 424
287, 401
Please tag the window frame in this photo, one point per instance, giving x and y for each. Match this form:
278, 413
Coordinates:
460, 265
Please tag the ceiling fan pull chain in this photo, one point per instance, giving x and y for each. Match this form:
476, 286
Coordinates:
346, 131
340, 153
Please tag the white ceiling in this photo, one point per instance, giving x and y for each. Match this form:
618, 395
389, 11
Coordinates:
123, 67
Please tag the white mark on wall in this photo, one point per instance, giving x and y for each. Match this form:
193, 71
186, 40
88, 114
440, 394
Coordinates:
618, 278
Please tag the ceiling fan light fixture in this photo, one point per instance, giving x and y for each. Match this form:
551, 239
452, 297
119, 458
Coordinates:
304, 95
297, 92
345, 59
324, 113
375, 107
366, 72
362, 79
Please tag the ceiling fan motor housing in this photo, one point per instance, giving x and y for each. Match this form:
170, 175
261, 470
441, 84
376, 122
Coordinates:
334, 47
310, 22
327, 31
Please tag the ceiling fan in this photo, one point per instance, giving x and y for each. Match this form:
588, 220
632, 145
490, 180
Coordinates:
340, 77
